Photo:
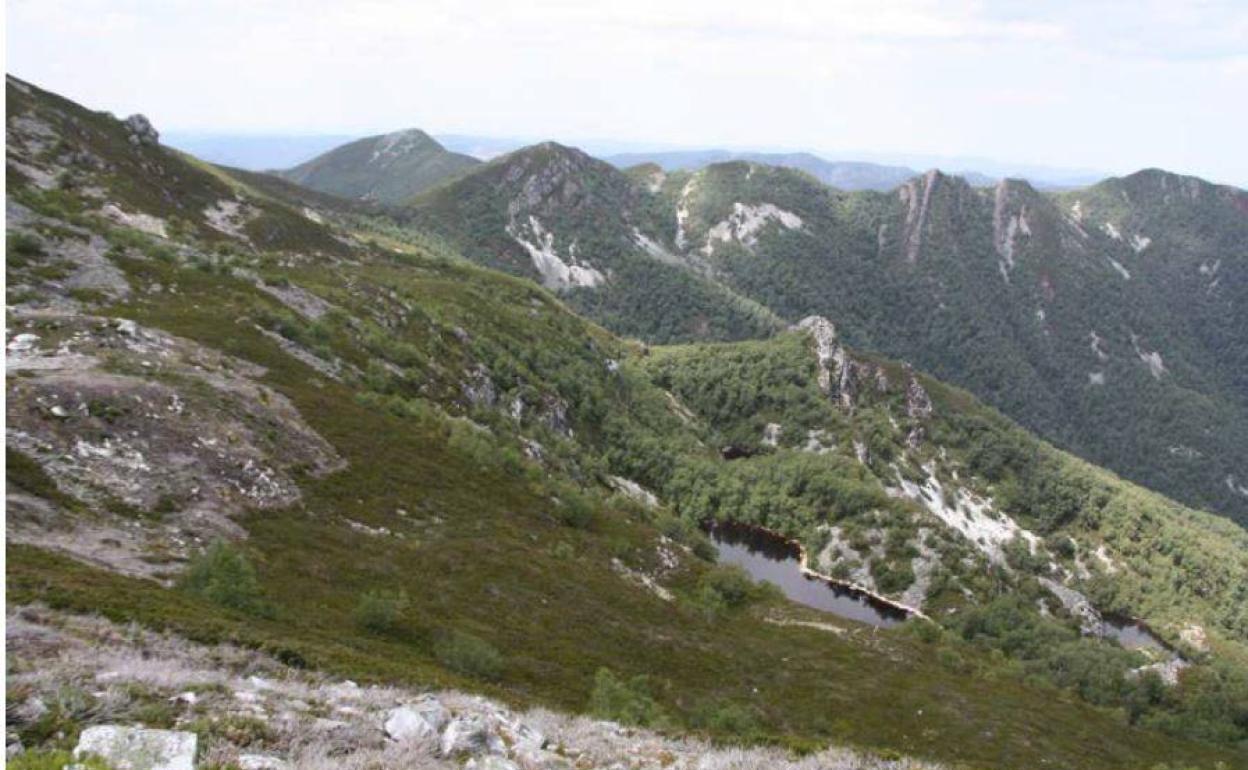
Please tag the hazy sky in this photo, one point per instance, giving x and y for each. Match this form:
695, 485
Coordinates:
1106, 85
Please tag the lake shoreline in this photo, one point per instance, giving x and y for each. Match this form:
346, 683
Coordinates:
803, 564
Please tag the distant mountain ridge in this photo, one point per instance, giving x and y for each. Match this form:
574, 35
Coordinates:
389, 168
843, 175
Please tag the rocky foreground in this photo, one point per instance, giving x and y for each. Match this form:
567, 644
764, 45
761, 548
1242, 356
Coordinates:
146, 701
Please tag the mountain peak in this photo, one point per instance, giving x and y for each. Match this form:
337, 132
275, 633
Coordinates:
388, 168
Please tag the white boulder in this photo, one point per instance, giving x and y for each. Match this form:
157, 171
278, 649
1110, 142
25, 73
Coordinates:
133, 748
416, 720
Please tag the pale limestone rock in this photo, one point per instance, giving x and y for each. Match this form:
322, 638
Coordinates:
132, 748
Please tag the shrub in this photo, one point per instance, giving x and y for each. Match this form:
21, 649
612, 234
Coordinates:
727, 719
222, 574
730, 583
379, 611
574, 510
26, 473
922, 629
627, 702
53, 760
470, 655
239, 730
22, 246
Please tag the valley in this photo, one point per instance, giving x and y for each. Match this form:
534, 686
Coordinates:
467, 437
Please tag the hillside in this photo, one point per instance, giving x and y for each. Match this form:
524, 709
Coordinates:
1124, 346
390, 168
236, 417
554, 214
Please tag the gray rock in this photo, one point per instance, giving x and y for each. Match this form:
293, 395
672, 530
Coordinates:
539, 759
141, 130
521, 736
479, 388
470, 735
417, 720
132, 748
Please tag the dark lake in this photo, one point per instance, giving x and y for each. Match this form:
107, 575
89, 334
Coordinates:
767, 557
1131, 634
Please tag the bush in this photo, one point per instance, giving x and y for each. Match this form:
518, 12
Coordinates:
732, 585
53, 760
22, 246
379, 611
727, 719
222, 574
470, 655
574, 510
628, 702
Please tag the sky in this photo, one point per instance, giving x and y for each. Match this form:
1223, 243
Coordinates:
1112, 86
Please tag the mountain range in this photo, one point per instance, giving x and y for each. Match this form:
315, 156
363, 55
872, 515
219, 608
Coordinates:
1108, 319
438, 424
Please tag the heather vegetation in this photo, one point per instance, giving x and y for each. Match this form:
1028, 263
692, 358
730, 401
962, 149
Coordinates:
511, 496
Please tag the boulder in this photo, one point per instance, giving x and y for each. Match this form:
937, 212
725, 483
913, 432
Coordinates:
133, 748
417, 720
470, 735
141, 130
521, 737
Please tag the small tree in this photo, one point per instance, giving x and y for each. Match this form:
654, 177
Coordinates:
222, 574
626, 702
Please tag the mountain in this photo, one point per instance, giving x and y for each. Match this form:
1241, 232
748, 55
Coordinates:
554, 214
254, 431
843, 175
390, 168
1119, 337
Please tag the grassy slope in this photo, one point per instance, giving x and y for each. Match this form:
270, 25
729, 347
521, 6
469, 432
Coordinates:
481, 548
490, 569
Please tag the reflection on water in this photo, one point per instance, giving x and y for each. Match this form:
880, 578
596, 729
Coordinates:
767, 557
1131, 634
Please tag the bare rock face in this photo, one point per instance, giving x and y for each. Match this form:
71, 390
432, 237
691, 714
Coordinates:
141, 130
479, 389
918, 407
129, 748
828, 351
124, 417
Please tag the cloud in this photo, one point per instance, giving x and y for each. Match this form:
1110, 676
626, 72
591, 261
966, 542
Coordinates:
1093, 83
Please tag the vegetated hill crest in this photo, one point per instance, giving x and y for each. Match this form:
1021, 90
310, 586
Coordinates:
389, 168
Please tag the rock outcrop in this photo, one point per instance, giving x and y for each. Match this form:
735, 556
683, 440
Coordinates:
141, 130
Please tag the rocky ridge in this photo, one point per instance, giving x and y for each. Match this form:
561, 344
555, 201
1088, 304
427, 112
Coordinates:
223, 705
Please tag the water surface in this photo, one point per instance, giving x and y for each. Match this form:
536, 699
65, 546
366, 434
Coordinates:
770, 558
